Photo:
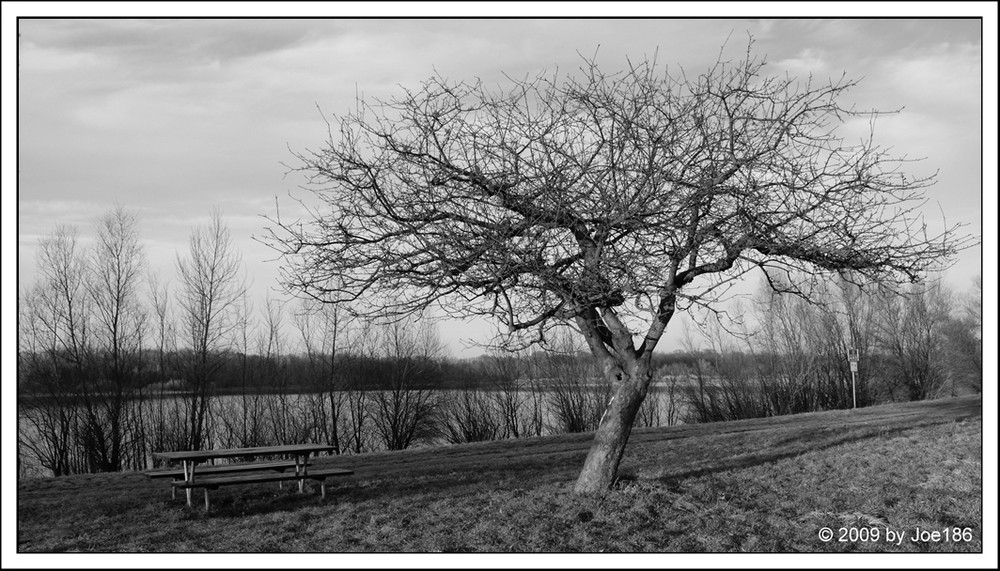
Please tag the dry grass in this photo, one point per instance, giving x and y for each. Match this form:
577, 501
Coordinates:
766, 485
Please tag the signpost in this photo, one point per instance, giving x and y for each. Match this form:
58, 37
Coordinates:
853, 356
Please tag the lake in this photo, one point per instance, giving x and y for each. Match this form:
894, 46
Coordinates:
365, 419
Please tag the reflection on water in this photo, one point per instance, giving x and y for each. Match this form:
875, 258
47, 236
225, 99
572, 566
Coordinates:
256, 420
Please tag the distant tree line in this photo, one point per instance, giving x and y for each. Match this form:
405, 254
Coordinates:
922, 343
113, 365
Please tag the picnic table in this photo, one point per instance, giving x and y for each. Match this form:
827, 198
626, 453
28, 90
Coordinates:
256, 472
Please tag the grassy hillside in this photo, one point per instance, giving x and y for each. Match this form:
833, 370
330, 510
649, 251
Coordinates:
763, 485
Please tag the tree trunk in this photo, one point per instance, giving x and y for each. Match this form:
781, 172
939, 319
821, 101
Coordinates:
612, 435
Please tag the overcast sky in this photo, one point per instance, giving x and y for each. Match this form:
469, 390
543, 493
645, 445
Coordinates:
171, 118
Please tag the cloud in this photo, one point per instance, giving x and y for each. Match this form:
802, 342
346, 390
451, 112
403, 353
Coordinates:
34, 215
162, 49
175, 116
944, 77
808, 62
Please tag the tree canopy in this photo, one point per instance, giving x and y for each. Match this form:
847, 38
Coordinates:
602, 200
543, 200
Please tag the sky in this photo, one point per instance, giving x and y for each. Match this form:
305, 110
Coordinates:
172, 118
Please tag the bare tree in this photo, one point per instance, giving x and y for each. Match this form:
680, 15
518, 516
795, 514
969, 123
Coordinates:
911, 332
47, 407
164, 327
973, 306
666, 410
787, 352
724, 386
855, 324
800, 347
404, 401
111, 412
606, 201
164, 425
55, 354
468, 414
359, 378
517, 398
577, 392
63, 270
323, 331
965, 340
211, 288
285, 419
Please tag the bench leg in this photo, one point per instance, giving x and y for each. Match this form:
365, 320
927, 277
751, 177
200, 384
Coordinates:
300, 469
206, 499
322, 488
188, 476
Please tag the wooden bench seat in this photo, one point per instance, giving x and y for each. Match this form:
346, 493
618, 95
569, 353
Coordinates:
214, 482
224, 469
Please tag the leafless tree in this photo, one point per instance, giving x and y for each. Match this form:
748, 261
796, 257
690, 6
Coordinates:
605, 201
964, 332
786, 352
974, 306
854, 323
359, 378
667, 409
55, 354
164, 328
662, 404
63, 289
47, 407
323, 329
912, 333
724, 386
112, 414
404, 400
211, 288
469, 414
286, 421
800, 347
577, 392
164, 421
518, 399
241, 420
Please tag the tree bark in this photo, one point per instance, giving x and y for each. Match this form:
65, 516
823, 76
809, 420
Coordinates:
613, 432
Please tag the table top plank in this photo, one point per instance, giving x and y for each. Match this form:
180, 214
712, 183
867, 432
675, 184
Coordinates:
196, 455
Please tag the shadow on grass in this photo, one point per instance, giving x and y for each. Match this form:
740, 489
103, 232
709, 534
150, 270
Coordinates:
447, 473
813, 439
239, 502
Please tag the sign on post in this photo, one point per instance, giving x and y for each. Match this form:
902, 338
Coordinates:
853, 356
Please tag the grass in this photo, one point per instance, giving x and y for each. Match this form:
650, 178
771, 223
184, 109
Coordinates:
766, 485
